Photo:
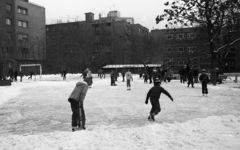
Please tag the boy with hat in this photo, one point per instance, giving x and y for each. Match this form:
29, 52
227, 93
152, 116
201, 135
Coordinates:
204, 79
154, 94
76, 99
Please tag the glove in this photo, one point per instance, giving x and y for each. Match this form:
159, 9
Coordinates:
146, 102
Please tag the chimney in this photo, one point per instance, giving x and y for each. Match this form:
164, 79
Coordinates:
89, 17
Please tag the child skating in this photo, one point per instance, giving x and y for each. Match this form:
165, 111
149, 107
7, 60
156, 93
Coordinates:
76, 99
129, 78
154, 94
204, 79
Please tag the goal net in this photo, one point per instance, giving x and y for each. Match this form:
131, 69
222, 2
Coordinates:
33, 65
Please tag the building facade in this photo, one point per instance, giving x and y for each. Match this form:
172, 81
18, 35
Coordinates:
183, 46
92, 43
23, 33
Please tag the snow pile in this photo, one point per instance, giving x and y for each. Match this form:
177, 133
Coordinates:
36, 115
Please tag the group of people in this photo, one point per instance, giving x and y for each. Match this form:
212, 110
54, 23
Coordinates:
77, 97
164, 75
14, 74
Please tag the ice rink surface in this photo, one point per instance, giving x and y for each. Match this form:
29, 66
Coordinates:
37, 115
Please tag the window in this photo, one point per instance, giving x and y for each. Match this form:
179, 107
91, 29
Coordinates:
191, 49
8, 7
9, 35
24, 50
23, 24
8, 21
22, 37
169, 49
169, 36
180, 49
180, 36
180, 62
191, 35
22, 10
9, 50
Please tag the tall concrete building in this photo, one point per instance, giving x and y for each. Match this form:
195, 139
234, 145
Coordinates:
91, 43
23, 33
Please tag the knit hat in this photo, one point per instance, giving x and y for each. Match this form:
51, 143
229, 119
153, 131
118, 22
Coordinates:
157, 81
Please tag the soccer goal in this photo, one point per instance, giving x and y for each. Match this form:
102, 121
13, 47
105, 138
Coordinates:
33, 65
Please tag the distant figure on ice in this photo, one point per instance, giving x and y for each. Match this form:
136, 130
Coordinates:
195, 75
76, 99
182, 75
15, 75
190, 78
112, 76
21, 75
154, 94
145, 76
64, 74
123, 75
31, 74
204, 79
129, 78
89, 75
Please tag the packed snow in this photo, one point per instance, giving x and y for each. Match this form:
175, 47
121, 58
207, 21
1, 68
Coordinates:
36, 115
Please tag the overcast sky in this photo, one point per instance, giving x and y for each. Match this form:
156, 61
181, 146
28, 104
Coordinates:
144, 12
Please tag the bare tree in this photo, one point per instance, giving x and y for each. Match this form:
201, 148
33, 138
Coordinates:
219, 17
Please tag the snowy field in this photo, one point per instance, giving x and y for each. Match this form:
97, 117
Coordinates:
37, 116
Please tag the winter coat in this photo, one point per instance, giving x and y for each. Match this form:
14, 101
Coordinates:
129, 75
79, 92
156, 91
204, 79
181, 72
190, 75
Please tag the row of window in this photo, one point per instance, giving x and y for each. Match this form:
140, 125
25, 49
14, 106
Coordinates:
9, 50
178, 62
23, 24
181, 36
190, 49
21, 10
21, 37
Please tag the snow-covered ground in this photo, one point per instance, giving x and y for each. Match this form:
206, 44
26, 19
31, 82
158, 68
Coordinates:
37, 116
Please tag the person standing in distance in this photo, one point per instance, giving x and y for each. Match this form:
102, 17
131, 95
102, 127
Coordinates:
204, 79
129, 78
154, 95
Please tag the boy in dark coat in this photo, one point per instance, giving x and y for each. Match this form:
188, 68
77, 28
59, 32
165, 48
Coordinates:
204, 79
76, 99
190, 78
154, 94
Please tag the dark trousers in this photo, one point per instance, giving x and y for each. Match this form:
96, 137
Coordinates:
76, 118
155, 105
128, 83
190, 81
204, 88
123, 76
145, 80
150, 78
64, 76
182, 79
112, 81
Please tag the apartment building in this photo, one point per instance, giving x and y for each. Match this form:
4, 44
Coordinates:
23, 33
183, 46
91, 43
